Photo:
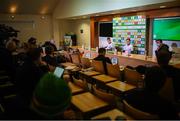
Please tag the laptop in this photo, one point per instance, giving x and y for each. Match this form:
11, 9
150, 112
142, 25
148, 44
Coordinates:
114, 60
59, 72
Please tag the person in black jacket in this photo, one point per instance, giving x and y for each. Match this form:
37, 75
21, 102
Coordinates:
149, 100
101, 57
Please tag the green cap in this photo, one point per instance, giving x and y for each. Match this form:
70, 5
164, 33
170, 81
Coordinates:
51, 96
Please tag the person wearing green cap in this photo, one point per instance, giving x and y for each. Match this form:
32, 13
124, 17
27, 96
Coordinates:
51, 97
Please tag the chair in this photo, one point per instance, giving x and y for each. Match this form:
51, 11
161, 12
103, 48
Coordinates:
80, 83
110, 98
132, 76
75, 58
136, 113
98, 66
85, 63
113, 70
67, 56
167, 91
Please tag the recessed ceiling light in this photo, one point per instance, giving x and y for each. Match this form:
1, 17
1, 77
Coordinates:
13, 9
162, 6
97, 14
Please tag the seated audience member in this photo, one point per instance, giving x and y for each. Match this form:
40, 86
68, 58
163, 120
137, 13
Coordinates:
148, 99
163, 58
51, 97
101, 57
7, 59
50, 43
29, 74
49, 58
32, 43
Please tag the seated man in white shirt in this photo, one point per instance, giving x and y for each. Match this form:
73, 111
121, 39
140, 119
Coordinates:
110, 45
128, 47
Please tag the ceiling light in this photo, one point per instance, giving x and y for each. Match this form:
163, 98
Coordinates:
162, 6
13, 9
97, 14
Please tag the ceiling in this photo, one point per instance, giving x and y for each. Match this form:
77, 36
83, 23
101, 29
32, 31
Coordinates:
28, 6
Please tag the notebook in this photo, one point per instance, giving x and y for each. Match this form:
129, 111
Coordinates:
58, 72
114, 60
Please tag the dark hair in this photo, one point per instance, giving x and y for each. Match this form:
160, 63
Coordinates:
108, 38
49, 49
163, 57
101, 50
32, 40
160, 40
154, 79
128, 39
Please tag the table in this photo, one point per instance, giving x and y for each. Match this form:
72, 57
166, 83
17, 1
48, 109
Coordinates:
75, 89
89, 73
87, 102
119, 87
104, 78
112, 114
67, 64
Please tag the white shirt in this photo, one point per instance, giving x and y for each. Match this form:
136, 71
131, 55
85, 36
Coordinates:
109, 46
128, 48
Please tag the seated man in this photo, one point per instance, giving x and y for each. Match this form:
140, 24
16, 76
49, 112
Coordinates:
148, 99
101, 57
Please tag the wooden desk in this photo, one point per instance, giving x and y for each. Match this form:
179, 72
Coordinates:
112, 114
104, 78
120, 87
67, 64
75, 89
90, 73
87, 102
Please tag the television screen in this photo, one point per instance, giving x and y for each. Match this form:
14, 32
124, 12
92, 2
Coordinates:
105, 29
166, 29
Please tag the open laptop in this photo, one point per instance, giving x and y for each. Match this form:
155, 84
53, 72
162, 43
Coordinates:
114, 60
59, 72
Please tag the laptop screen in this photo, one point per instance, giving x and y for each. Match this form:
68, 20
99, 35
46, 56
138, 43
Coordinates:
58, 72
114, 60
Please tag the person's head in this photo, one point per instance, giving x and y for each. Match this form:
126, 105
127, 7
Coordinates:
174, 45
109, 40
32, 42
154, 79
35, 55
128, 41
102, 51
11, 45
49, 49
158, 42
163, 57
52, 96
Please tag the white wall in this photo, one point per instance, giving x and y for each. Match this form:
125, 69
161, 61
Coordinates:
30, 25
74, 26
70, 8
